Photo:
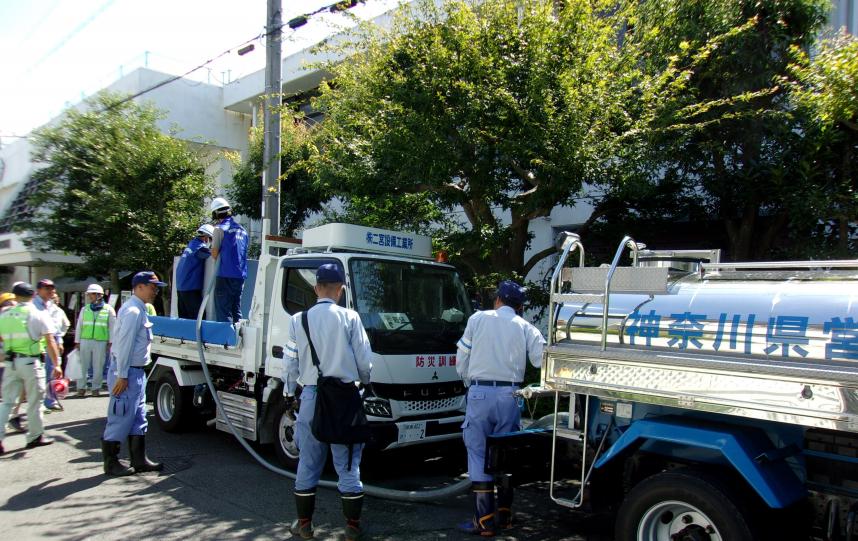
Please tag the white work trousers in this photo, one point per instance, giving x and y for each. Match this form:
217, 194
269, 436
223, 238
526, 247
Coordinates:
93, 353
23, 373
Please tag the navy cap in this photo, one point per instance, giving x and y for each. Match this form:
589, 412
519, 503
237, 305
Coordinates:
23, 289
146, 277
329, 274
511, 293
45, 282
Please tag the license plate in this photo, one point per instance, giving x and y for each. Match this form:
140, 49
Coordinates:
414, 431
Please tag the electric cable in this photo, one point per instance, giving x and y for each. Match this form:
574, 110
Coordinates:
431, 495
293, 24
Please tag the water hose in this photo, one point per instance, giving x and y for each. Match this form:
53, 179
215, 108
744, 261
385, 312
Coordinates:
432, 495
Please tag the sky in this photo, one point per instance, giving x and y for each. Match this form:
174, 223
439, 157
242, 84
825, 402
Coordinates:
57, 52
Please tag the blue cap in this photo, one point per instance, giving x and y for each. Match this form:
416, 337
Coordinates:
329, 274
23, 289
511, 293
146, 277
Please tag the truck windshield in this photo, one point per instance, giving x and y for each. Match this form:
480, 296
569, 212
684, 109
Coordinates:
409, 307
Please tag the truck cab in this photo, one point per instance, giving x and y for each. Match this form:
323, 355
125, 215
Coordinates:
413, 308
414, 311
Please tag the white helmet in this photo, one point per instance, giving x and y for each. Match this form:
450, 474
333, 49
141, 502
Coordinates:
206, 229
95, 288
219, 203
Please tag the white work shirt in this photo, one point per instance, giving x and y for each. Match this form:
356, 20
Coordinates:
133, 339
341, 344
495, 346
61, 320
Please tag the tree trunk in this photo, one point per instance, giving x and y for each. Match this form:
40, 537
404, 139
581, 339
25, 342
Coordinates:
740, 232
114, 281
166, 296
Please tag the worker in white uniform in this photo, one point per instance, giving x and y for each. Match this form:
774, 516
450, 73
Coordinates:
491, 359
93, 338
27, 333
344, 352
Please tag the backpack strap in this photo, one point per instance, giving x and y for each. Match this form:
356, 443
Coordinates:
305, 322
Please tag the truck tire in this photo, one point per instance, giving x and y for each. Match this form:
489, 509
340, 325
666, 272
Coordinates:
284, 437
173, 404
682, 504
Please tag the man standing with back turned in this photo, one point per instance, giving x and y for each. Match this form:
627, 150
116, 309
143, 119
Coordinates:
126, 411
344, 352
492, 355
229, 249
190, 273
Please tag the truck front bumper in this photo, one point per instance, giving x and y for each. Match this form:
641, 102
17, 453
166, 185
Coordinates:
407, 432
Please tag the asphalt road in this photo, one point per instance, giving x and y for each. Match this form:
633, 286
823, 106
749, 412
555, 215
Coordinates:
212, 489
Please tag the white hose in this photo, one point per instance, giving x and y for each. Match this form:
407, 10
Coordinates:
432, 495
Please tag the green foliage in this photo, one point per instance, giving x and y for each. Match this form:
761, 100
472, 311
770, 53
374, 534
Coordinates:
498, 108
114, 189
825, 91
300, 194
416, 213
732, 149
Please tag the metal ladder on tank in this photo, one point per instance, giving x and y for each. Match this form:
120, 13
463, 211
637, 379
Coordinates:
570, 243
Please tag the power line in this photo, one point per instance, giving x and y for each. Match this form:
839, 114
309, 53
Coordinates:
71, 34
293, 24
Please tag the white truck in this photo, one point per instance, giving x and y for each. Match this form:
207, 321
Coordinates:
413, 308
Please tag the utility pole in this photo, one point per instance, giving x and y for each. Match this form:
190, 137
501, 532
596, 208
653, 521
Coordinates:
271, 119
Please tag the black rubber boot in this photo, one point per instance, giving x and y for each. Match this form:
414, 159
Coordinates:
504, 516
112, 465
305, 504
139, 461
483, 522
352, 507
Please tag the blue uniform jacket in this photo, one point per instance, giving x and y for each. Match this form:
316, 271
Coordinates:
191, 267
233, 250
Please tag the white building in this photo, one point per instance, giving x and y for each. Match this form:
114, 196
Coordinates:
218, 118
196, 108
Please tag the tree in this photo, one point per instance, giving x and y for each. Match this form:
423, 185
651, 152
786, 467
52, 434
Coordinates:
825, 90
734, 150
300, 194
115, 190
502, 109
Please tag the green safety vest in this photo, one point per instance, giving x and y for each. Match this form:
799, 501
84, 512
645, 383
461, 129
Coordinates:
95, 324
16, 337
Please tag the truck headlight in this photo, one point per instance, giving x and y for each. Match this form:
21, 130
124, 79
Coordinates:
377, 407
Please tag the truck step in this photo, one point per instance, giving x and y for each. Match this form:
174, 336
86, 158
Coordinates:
570, 434
241, 411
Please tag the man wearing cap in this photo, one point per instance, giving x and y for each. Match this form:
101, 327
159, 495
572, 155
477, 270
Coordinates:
126, 411
27, 333
344, 352
190, 272
491, 359
92, 337
43, 301
229, 249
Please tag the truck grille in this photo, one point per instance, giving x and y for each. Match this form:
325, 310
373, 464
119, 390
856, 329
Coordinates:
428, 406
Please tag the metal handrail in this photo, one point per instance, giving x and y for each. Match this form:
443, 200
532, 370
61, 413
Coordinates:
627, 241
554, 286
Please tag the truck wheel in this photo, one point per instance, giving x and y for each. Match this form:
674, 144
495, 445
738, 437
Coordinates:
284, 441
681, 504
172, 403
